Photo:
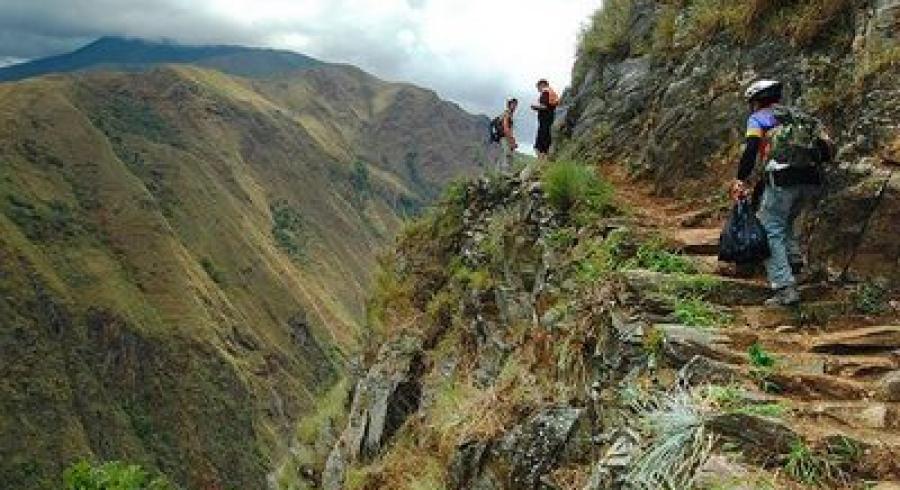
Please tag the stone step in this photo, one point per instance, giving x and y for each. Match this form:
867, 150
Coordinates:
706, 356
682, 343
806, 386
698, 218
866, 340
855, 343
866, 415
871, 427
694, 241
709, 264
885, 485
722, 290
809, 315
848, 367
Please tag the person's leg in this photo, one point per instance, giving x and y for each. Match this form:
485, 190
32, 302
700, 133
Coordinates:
775, 214
504, 156
792, 243
549, 141
542, 142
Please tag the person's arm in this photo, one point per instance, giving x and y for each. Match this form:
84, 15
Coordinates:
543, 102
748, 159
752, 146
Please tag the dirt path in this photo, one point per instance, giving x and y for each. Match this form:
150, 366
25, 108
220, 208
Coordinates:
836, 370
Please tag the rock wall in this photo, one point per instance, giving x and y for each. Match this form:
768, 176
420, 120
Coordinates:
675, 115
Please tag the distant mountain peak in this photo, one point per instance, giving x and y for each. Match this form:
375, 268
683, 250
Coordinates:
136, 54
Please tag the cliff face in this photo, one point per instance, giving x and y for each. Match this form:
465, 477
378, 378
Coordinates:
185, 255
658, 90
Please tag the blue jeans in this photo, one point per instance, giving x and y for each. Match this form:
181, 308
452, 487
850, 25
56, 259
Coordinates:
778, 214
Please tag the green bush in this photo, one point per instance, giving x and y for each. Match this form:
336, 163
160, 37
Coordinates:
695, 285
605, 33
680, 443
53, 221
212, 271
571, 187
112, 476
665, 29
288, 230
361, 183
607, 30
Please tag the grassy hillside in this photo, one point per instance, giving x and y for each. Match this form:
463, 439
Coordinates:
185, 257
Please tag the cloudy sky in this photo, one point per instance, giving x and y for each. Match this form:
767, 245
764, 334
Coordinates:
474, 52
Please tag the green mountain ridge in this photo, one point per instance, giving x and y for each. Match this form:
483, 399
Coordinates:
133, 54
185, 257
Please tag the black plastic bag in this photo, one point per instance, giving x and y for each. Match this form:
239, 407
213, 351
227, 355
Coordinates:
743, 240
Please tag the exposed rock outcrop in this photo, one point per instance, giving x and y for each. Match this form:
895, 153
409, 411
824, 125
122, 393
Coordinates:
382, 400
524, 457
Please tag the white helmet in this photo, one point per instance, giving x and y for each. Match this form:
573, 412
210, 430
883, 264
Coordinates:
764, 89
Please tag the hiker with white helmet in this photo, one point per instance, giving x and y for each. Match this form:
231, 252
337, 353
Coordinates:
792, 147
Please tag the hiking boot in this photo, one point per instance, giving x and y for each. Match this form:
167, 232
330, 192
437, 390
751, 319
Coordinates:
786, 296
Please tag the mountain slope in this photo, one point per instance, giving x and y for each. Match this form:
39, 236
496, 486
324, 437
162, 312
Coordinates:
186, 255
138, 54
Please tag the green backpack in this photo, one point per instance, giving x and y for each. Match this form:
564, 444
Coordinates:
799, 139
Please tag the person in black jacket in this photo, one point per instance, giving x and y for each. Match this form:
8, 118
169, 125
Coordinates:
546, 112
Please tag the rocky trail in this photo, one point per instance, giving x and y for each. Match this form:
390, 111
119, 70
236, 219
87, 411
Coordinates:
835, 371
579, 337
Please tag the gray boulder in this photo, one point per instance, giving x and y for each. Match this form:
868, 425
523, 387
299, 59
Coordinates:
525, 456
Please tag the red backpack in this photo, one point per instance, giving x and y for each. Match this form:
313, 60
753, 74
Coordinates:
552, 98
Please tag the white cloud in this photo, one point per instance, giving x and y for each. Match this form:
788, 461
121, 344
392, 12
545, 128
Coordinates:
474, 52
8, 60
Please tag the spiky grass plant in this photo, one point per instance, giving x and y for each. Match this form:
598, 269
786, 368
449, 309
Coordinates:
681, 443
809, 467
575, 191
